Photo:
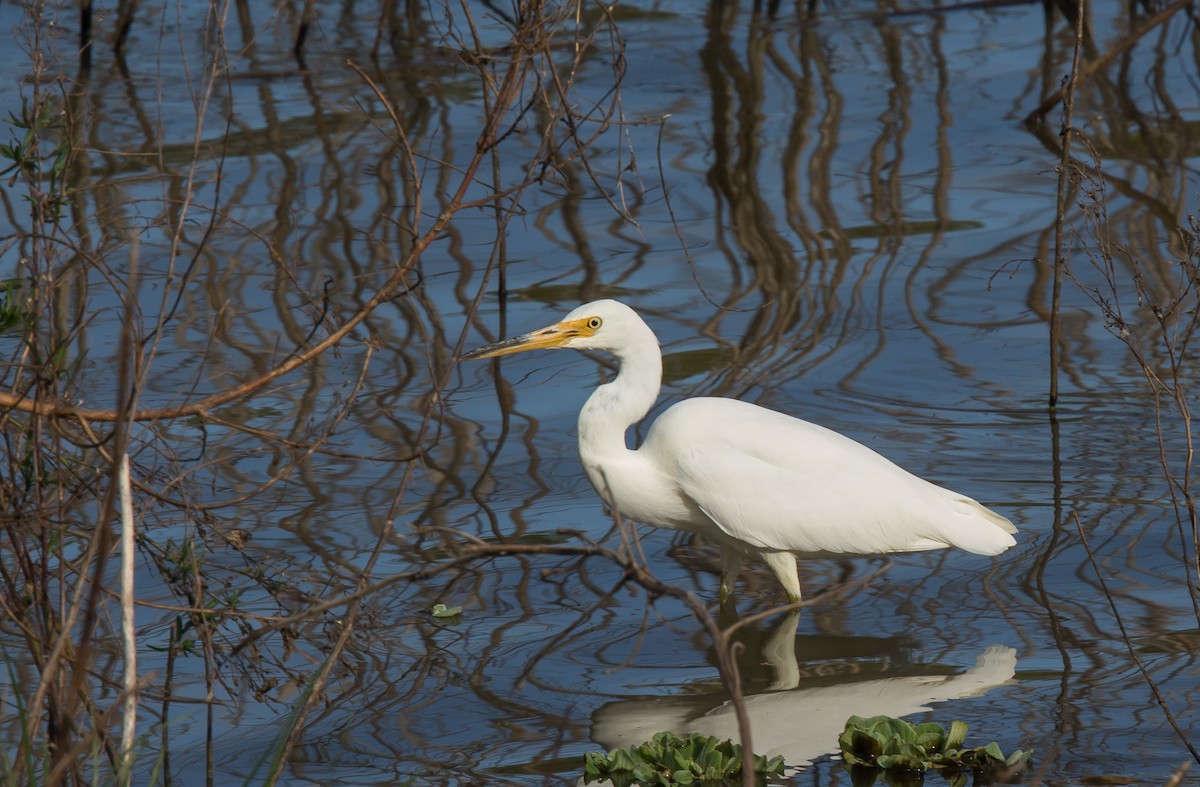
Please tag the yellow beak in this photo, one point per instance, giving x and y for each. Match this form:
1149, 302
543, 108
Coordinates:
548, 338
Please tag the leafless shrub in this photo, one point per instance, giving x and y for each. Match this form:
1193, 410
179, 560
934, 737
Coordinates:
71, 417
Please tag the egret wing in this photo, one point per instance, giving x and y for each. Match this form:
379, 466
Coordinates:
778, 483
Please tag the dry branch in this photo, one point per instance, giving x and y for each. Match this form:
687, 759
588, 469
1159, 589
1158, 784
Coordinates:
1101, 62
128, 623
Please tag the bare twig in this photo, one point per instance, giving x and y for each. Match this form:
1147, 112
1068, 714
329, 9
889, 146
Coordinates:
128, 624
1179, 774
1101, 62
1158, 697
1068, 98
505, 99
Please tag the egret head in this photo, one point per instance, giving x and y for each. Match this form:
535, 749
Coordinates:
599, 325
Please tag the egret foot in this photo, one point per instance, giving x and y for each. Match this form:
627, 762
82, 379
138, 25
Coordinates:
731, 564
783, 565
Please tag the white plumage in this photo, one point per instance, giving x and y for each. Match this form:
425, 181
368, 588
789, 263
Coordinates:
757, 482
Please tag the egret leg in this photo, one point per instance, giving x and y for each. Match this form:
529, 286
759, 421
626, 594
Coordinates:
783, 564
731, 564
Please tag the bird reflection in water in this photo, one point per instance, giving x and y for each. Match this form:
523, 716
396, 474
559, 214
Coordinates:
799, 716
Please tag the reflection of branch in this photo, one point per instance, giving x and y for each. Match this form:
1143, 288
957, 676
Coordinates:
1068, 96
1176, 320
507, 94
1129, 644
391, 288
308, 450
477, 551
1036, 116
401, 137
201, 407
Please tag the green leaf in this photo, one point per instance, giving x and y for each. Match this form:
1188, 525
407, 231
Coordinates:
643, 772
910, 757
621, 760
771, 767
864, 745
993, 750
710, 746
929, 741
1018, 756
851, 759
930, 727
442, 611
903, 730
958, 734
901, 762
682, 777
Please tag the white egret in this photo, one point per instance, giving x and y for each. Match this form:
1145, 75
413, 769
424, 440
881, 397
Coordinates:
757, 482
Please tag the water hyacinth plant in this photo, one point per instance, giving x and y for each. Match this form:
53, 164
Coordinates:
896, 747
667, 759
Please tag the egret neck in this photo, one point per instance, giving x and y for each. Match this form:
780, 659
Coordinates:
612, 409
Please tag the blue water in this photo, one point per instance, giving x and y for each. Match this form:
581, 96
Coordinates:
840, 216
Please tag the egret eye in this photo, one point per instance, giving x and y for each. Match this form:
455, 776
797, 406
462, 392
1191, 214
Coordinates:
594, 323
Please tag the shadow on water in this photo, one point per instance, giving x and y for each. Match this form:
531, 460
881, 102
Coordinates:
837, 211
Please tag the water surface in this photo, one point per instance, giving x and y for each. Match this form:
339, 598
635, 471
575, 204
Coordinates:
838, 212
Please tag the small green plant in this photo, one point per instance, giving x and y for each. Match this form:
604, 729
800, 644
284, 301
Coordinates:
14, 308
667, 759
44, 172
898, 748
